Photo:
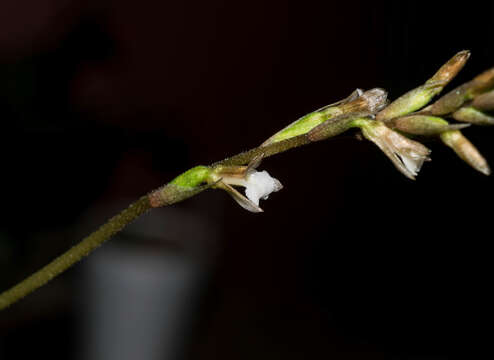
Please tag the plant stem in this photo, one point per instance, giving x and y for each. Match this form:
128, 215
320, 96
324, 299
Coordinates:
74, 254
118, 222
265, 151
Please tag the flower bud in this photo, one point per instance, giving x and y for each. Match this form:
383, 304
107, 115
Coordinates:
482, 83
468, 91
450, 102
473, 116
419, 97
423, 125
448, 71
366, 103
465, 150
411, 101
484, 102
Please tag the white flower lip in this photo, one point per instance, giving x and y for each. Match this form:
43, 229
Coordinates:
258, 185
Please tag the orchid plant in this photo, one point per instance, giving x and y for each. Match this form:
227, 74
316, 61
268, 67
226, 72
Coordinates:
389, 125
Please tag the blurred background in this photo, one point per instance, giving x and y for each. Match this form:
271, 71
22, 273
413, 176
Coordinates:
102, 101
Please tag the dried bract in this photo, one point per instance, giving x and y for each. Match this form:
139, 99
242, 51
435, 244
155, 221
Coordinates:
407, 155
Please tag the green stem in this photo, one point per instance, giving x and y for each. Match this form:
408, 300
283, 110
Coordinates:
265, 151
76, 253
118, 222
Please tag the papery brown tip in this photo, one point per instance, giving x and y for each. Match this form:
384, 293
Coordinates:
449, 70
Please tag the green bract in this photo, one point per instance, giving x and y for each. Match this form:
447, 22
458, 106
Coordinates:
193, 177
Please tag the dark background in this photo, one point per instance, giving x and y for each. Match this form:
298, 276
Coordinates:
104, 100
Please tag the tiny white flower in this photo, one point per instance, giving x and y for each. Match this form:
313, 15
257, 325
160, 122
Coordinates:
258, 185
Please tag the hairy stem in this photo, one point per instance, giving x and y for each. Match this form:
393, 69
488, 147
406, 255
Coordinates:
265, 151
118, 222
74, 254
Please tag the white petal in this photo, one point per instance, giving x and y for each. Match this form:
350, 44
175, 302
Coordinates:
260, 185
413, 165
